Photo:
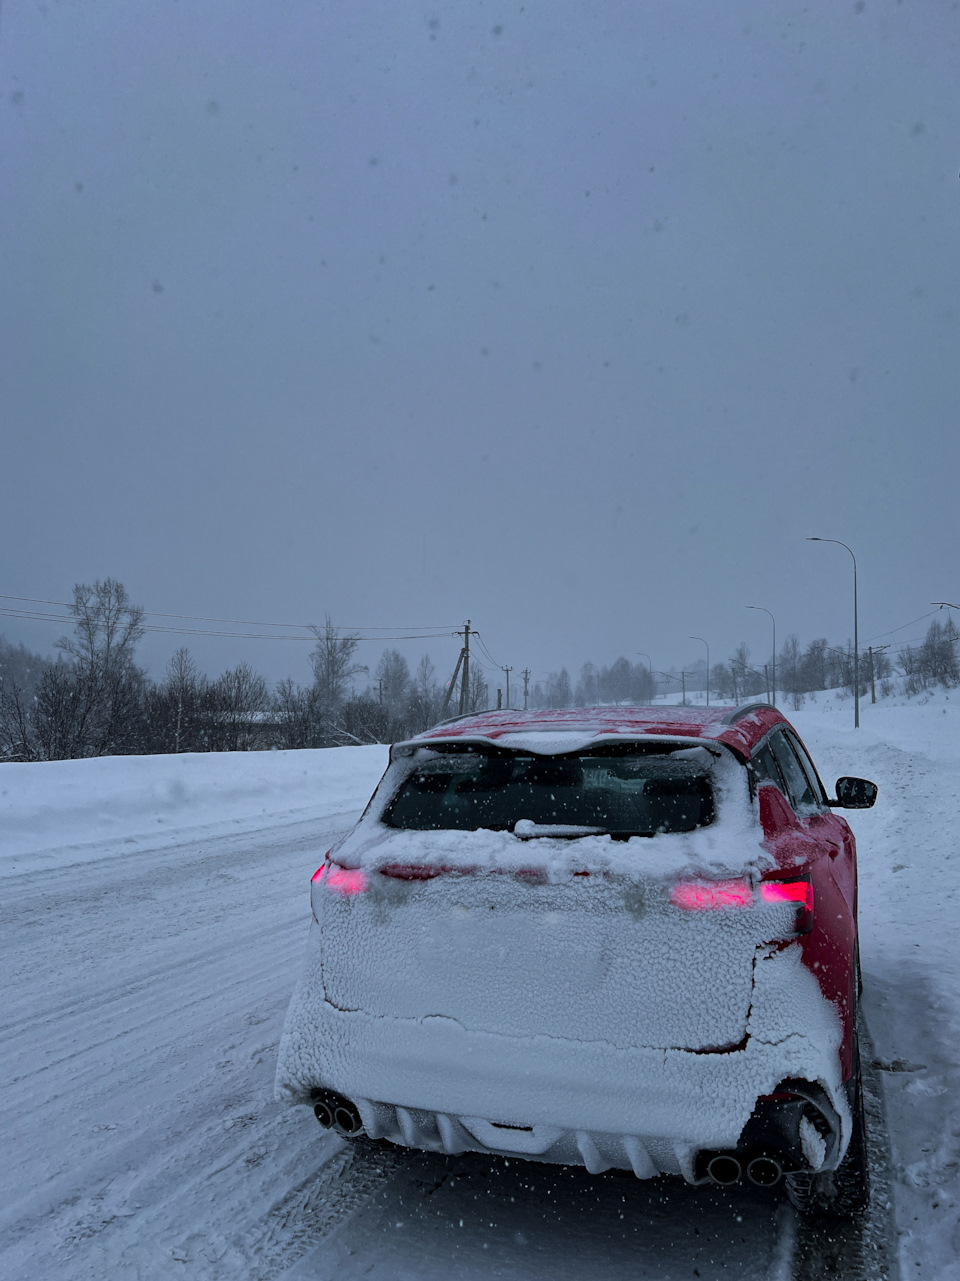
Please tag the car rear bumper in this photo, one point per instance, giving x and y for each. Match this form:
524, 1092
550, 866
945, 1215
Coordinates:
434, 1084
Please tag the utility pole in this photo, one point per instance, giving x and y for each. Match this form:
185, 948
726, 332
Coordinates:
465, 678
526, 685
499, 699
683, 685
508, 670
871, 650
462, 662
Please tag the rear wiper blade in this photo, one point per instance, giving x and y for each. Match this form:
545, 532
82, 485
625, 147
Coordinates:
527, 829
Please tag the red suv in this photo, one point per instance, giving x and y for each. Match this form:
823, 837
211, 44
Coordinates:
613, 937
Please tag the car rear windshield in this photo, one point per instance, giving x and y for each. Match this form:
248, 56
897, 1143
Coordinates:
629, 793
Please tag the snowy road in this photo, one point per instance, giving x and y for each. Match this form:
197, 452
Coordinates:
144, 993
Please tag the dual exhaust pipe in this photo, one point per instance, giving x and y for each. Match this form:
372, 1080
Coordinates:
727, 1168
334, 1112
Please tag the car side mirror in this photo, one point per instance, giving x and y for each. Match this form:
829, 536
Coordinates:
855, 793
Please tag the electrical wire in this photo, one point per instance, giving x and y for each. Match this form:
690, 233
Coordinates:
159, 628
903, 625
483, 646
442, 629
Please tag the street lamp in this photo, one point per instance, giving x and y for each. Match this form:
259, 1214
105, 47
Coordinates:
703, 642
856, 637
774, 621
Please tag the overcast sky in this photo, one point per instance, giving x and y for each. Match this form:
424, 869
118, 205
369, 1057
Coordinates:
572, 317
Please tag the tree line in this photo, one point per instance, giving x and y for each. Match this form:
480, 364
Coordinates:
799, 671
95, 700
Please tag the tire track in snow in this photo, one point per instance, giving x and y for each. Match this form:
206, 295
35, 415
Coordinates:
145, 1099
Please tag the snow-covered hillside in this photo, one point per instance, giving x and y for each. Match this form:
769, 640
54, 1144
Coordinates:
155, 911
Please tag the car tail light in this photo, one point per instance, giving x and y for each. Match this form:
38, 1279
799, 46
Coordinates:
707, 896
798, 891
711, 896
340, 880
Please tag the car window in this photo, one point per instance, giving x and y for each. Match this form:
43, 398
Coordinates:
624, 795
764, 768
799, 791
808, 768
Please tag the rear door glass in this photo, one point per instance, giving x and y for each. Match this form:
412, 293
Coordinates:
764, 768
808, 768
799, 790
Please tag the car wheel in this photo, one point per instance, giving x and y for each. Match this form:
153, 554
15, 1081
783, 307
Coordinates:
844, 1192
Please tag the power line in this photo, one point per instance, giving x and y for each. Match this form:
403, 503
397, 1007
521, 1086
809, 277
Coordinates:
903, 625
443, 629
159, 628
487, 652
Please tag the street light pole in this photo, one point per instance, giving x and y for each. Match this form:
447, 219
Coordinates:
774, 621
856, 636
703, 642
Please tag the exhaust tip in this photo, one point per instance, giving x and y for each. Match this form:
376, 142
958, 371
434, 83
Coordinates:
324, 1113
764, 1171
724, 1169
334, 1112
346, 1119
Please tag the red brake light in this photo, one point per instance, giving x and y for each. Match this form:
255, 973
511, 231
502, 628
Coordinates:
347, 880
708, 896
800, 892
341, 880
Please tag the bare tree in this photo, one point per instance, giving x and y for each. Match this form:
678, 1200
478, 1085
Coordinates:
333, 666
723, 681
17, 738
587, 692
935, 661
393, 681
423, 709
814, 667
297, 715
65, 713
478, 695
238, 701
790, 671
106, 629
178, 708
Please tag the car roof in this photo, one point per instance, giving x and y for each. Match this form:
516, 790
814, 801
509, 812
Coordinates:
567, 729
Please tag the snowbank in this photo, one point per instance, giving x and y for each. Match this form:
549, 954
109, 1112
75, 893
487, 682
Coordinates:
58, 812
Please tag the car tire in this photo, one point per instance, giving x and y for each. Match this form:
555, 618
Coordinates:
845, 1192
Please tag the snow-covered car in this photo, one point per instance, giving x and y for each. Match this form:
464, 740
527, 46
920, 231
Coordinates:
621, 937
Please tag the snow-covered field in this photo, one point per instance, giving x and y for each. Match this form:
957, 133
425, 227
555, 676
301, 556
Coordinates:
154, 915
